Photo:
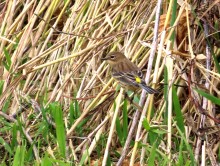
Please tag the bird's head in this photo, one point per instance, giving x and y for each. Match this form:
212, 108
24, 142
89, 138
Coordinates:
114, 57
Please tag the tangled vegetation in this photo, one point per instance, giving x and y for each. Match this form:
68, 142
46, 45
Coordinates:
59, 104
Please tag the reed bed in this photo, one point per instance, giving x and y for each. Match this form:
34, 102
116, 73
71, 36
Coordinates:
59, 104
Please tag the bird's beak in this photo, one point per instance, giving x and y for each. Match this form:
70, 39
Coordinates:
106, 58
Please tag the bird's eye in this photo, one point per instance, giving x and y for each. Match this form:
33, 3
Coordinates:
112, 57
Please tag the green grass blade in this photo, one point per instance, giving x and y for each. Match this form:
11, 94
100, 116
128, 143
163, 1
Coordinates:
1, 86
72, 118
172, 21
84, 157
5, 145
179, 117
60, 130
146, 125
19, 156
189, 149
180, 157
212, 98
7, 63
152, 154
119, 130
125, 119
165, 94
46, 161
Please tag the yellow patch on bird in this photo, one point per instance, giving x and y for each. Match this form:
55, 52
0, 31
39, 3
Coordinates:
137, 79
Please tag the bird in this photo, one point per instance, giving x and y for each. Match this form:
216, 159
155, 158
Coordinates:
129, 76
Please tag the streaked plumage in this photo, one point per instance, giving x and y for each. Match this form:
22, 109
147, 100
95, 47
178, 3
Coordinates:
127, 73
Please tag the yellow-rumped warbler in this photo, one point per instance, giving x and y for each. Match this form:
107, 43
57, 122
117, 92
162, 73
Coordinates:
127, 73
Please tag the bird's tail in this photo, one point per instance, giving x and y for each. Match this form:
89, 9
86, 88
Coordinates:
148, 89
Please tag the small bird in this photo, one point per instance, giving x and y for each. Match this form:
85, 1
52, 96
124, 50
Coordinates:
127, 73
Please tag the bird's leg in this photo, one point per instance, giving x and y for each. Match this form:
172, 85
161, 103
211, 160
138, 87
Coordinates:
131, 100
127, 97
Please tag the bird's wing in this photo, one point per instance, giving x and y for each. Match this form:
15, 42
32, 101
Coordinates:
134, 80
127, 78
